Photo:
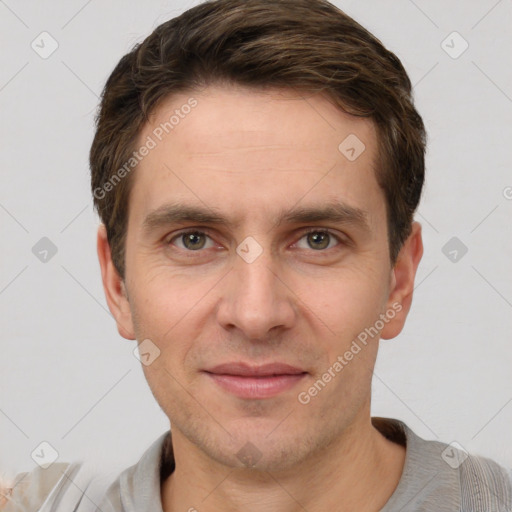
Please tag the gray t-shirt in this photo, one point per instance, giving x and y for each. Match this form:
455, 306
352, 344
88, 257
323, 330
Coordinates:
436, 478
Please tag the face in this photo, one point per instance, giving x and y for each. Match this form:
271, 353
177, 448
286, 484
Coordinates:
256, 255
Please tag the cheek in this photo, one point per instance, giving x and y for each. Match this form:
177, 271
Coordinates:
162, 297
346, 301
350, 307
171, 310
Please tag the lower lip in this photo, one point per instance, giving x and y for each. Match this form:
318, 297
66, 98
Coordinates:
256, 387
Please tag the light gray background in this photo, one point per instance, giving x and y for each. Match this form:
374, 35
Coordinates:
66, 375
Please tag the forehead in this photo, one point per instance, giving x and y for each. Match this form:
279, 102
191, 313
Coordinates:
242, 149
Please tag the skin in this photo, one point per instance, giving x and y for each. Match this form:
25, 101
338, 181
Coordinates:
250, 155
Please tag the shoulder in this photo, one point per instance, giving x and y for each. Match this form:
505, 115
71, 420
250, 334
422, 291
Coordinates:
484, 483
137, 488
477, 483
445, 477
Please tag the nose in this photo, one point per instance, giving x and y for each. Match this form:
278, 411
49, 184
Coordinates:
256, 299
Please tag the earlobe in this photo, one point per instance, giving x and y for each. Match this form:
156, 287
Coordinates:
402, 282
114, 287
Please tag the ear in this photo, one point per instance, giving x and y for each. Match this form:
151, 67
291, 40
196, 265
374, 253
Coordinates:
402, 282
114, 288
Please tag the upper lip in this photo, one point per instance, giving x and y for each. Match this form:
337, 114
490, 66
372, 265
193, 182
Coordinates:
247, 370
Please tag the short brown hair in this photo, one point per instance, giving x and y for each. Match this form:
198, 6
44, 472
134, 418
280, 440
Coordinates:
305, 45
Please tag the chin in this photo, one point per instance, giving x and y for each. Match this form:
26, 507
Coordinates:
257, 444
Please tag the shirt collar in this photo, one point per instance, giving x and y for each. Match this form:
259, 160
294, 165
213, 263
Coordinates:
424, 470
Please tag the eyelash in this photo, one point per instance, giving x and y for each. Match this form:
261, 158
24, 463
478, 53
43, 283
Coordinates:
303, 234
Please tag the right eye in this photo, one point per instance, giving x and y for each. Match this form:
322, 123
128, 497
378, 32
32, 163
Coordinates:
191, 240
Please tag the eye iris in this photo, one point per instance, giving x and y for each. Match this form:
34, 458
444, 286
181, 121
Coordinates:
318, 237
193, 240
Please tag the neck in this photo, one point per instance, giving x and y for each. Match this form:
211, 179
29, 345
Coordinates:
358, 472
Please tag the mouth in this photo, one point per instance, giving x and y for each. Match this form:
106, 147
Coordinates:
246, 381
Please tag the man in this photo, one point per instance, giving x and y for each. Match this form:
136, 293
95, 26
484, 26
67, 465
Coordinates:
256, 167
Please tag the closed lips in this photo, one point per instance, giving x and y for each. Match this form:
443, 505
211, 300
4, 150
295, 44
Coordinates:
245, 370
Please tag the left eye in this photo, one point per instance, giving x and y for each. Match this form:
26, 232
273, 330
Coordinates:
319, 240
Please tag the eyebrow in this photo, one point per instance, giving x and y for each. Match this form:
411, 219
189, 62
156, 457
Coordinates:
335, 212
